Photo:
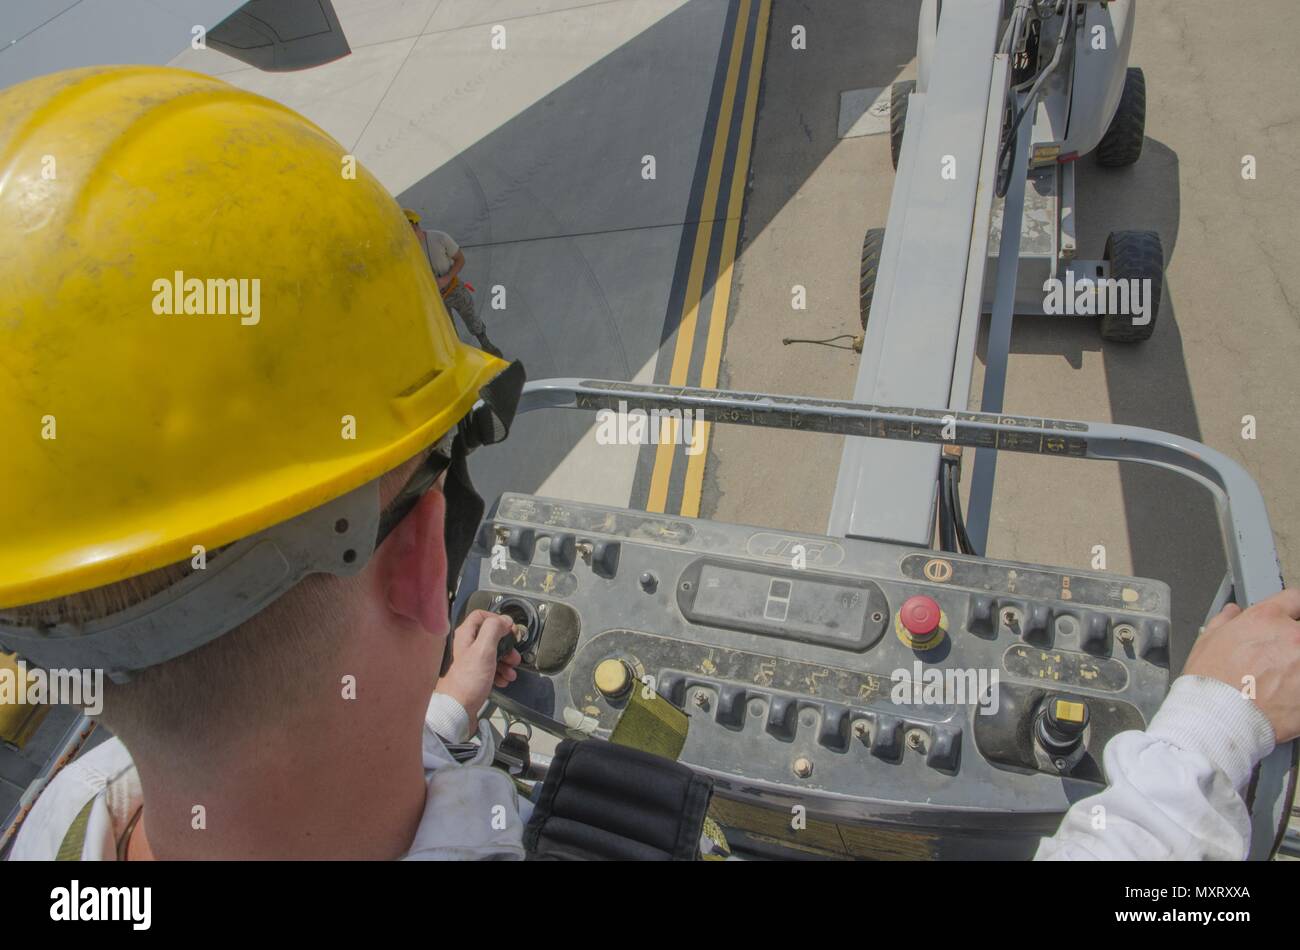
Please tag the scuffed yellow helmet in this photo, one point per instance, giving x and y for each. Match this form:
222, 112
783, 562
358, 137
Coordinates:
212, 320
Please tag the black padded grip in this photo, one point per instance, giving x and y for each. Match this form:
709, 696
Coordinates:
608, 802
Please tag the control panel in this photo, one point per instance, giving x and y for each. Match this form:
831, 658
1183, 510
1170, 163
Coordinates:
914, 703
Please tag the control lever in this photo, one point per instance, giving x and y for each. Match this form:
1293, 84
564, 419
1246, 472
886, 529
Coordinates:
517, 636
1059, 729
527, 624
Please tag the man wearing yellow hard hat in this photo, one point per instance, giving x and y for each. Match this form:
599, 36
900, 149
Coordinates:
236, 419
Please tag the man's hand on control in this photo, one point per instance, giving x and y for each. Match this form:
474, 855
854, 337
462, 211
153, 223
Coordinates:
444, 281
475, 668
1261, 642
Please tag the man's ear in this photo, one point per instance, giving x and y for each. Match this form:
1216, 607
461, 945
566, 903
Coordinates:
413, 565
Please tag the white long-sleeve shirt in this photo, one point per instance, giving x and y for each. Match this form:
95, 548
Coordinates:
1174, 791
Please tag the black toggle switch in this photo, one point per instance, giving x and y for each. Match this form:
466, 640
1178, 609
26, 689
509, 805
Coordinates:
564, 551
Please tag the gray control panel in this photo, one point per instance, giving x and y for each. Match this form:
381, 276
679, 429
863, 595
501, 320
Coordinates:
911, 703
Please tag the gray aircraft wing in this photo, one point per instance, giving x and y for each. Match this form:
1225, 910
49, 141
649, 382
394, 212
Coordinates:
44, 36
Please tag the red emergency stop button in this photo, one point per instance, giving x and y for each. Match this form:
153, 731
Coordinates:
920, 615
920, 623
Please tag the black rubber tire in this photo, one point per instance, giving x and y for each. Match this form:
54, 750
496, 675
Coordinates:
898, 94
872, 244
1122, 143
1134, 255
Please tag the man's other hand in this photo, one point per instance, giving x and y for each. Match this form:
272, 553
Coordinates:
475, 668
1257, 651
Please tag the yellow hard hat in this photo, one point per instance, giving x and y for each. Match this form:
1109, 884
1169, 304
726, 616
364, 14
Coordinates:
412, 216
212, 321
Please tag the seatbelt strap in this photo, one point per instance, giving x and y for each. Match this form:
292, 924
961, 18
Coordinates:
74, 839
652, 724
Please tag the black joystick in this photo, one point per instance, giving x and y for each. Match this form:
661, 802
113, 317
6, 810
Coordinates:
511, 640
527, 624
1060, 725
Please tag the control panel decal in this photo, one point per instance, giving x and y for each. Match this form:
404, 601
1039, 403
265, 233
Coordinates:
1065, 668
790, 549
947, 427
1093, 590
818, 837
536, 579
577, 518
644, 651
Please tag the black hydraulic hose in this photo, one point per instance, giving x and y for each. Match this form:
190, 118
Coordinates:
1031, 98
959, 522
947, 529
953, 536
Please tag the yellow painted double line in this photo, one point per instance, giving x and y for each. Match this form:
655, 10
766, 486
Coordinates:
677, 478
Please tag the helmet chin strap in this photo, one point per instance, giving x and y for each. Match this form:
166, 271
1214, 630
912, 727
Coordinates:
464, 512
487, 423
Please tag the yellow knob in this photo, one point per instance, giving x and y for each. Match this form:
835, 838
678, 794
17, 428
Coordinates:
1068, 711
613, 678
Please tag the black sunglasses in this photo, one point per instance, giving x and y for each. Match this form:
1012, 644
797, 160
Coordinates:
420, 482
